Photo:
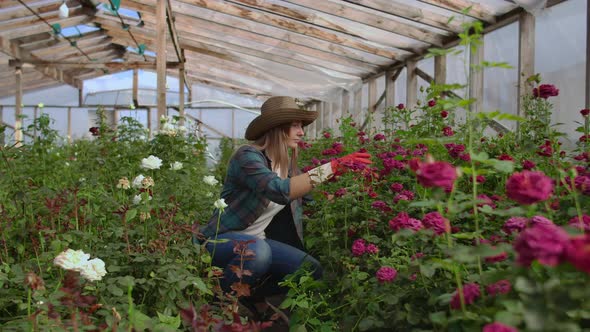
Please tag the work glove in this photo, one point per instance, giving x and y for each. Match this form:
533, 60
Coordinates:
338, 166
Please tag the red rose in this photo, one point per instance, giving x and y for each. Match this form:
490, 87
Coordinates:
545, 91
448, 131
585, 112
444, 114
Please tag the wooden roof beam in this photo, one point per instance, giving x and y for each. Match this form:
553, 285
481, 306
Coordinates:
477, 11
207, 29
55, 41
210, 18
415, 14
38, 26
290, 24
228, 86
356, 14
228, 51
40, 7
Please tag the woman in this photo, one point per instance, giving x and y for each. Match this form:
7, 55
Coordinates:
262, 180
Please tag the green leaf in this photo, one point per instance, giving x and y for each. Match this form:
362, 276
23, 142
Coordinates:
524, 285
504, 166
173, 321
115, 290
198, 282
141, 321
131, 214
482, 156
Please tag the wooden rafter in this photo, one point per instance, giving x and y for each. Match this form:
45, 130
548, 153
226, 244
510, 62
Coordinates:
237, 23
415, 14
214, 30
372, 19
477, 11
292, 25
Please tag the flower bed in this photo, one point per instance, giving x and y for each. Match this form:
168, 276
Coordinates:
449, 229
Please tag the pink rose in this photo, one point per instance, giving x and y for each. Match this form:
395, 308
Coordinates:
514, 225
437, 174
386, 274
359, 247
528, 187
578, 253
584, 223
403, 220
372, 249
470, 294
499, 287
546, 243
498, 327
436, 222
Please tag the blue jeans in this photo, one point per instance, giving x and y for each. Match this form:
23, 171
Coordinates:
270, 261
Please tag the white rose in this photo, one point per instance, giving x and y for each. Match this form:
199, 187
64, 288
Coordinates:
72, 260
175, 166
94, 270
137, 199
137, 181
151, 162
210, 180
220, 204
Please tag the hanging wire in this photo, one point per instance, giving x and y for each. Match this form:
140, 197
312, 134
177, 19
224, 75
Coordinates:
126, 27
72, 42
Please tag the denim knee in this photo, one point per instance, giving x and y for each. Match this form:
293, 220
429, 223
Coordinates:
260, 262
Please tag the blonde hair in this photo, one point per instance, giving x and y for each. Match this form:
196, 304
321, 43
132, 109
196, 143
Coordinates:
274, 143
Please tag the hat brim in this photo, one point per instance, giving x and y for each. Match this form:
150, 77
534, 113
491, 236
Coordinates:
264, 123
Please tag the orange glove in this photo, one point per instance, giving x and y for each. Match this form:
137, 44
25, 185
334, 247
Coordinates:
344, 163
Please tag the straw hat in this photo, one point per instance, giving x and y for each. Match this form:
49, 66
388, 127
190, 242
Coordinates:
277, 111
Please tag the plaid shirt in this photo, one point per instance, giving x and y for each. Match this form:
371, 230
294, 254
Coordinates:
249, 186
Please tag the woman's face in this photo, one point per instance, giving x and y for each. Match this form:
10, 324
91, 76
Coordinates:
295, 134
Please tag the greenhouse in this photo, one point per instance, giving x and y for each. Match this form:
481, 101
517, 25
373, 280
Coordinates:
294, 165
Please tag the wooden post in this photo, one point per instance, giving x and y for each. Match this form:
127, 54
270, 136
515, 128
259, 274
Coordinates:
326, 108
311, 130
18, 110
115, 118
345, 104
149, 122
2, 140
135, 87
411, 84
440, 69
526, 56
233, 124
69, 125
476, 78
181, 95
372, 104
35, 116
587, 56
81, 94
161, 56
389, 89
357, 106
190, 94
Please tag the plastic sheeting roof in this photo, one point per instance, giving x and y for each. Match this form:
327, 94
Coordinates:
303, 48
